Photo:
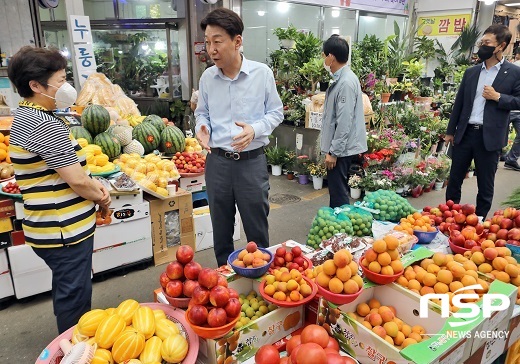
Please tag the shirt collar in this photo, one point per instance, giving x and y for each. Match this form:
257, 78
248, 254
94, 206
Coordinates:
338, 73
243, 68
497, 66
32, 105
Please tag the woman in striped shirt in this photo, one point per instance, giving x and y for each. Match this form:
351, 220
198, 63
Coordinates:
58, 191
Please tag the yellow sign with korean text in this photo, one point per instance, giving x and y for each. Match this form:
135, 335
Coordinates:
443, 24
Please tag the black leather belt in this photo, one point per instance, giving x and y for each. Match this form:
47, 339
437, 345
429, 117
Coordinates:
475, 126
251, 154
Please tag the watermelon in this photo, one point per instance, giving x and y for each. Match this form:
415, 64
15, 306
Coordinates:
147, 135
96, 119
80, 132
155, 121
172, 140
109, 145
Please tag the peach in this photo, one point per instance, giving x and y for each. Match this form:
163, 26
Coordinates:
336, 285
441, 287
323, 280
353, 267
358, 280
350, 287
469, 265
445, 276
426, 290
242, 253
342, 258
374, 267
387, 316
258, 262
397, 266
305, 290
391, 328
394, 254
374, 303
503, 276
409, 273
379, 330
370, 255
379, 246
406, 330
408, 342
478, 258
384, 259
439, 259
391, 242
363, 309
402, 281
399, 338
344, 273
490, 253
499, 263
485, 267
329, 267
426, 262
417, 337
248, 259
367, 325
414, 284
429, 279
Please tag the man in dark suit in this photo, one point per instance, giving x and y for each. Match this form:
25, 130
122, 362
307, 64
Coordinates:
479, 120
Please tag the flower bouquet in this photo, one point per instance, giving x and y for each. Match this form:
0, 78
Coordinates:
317, 169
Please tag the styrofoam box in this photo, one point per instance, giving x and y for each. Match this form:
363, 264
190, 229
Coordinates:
204, 228
18, 210
6, 282
126, 240
30, 273
119, 201
193, 184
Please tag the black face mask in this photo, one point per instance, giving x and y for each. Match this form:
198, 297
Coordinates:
485, 52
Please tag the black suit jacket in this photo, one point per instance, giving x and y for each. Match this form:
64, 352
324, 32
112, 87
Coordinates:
496, 114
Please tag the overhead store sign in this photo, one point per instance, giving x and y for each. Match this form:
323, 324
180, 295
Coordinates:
83, 51
379, 6
443, 24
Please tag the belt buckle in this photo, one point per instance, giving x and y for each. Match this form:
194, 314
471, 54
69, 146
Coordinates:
236, 156
232, 155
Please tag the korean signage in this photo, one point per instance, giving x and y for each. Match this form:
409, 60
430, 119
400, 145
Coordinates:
443, 24
83, 51
387, 6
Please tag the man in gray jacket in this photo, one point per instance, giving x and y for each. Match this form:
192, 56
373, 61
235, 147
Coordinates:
343, 133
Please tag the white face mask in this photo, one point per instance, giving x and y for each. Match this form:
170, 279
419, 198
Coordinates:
65, 96
327, 68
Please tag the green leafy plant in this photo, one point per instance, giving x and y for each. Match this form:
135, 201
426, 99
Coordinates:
413, 69
314, 72
178, 110
290, 160
424, 49
291, 32
463, 46
399, 47
275, 155
317, 169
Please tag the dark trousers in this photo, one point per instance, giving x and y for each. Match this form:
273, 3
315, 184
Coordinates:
71, 268
246, 184
337, 179
471, 148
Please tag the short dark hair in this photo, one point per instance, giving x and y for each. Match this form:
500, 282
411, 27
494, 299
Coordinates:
34, 64
338, 46
517, 50
501, 32
226, 19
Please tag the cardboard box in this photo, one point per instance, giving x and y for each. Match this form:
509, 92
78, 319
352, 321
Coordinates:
193, 184
30, 273
313, 120
367, 347
204, 228
126, 240
492, 346
5, 110
172, 225
7, 208
6, 224
6, 282
244, 342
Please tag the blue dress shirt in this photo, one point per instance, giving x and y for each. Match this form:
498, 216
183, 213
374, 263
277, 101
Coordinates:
250, 97
486, 78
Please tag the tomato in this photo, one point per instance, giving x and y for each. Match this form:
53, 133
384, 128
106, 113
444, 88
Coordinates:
315, 334
267, 354
333, 343
292, 343
335, 359
311, 353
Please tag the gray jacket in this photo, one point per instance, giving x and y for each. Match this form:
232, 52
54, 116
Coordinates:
343, 132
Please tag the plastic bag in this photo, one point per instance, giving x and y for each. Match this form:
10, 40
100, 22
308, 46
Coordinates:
360, 218
173, 228
327, 223
387, 205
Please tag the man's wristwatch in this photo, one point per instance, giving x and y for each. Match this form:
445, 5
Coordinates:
332, 154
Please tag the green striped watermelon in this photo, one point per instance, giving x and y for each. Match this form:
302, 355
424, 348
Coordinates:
147, 135
80, 132
155, 121
109, 145
96, 119
172, 140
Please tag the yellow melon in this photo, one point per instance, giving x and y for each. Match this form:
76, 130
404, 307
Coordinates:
174, 348
159, 314
165, 328
89, 322
126, 310
108, 330
144, 321
102, 356
129, 345
152, 350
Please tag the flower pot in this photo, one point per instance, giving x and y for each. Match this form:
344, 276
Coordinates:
471, 174
355, 193
397, 95
303, 179
417, 191
290, 176
317, 182
439, 185
427, 188
287, 43
385, 97
276, 170
399, 190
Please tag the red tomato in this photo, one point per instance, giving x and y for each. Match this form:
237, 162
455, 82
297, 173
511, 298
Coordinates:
311, 353
315, 334
267, 354
292, 343
335, 359
333, 343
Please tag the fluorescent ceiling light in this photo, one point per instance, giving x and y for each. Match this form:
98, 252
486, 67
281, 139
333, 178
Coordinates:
282, 7
335, 13
260, 13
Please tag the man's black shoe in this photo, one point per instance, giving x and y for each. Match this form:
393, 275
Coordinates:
512, 165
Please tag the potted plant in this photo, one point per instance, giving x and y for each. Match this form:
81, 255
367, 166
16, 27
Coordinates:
290, 159
314, 72
425, 49
384, 89
368, 183
275, 157
302, 162
287, 36
417, 180
354, 182
317, 170
425, 96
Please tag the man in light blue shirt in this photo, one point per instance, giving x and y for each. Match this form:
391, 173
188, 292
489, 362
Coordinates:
238, 108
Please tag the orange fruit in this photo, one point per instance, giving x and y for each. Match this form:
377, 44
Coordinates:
391, 242
6, 140
3, 154
4, 147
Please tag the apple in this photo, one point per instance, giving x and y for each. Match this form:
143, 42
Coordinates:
189, 287
200, 295
496, 219
184, 254
457, 238
174, 288
437, 220
447, 214
498, 212
164, 279
444, 207
299, 260
510, 212
198, 315
175, 270
502, 234
456, 207
494, 228
288, 257
305, 264
479, 228
469, 244
427, 208
233, 293
217, 317
491, 236
500, 242
487, 224
460, 218
233, 308
280, 252
208, 278
449, 203
279, 261
517, 220
513, 234
219, 296
450, 220
477, 248
472, 219
222, 281
296, 251
468, 209
506, 224
251, 247
192, 270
